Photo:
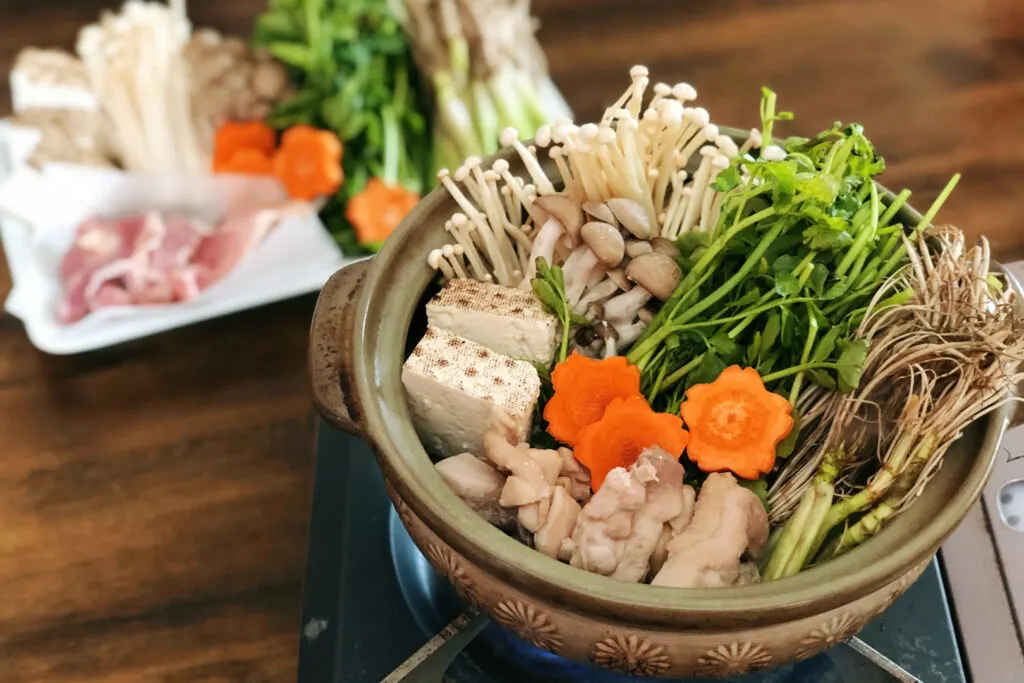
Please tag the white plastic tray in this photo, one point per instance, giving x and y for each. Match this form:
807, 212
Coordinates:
42, 210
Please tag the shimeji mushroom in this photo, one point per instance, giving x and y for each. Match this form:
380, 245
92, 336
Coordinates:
566, 209
605, 241
658, 273
600, 211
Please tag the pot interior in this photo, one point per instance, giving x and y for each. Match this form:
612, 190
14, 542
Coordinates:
390, 320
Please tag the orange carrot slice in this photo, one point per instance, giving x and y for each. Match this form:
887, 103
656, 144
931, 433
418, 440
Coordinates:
375, 212
583, 389
234, 136
627, 428
735, 423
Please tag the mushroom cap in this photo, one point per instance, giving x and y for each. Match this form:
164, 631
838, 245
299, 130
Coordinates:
600, 211
635, 248
664, 245
605, 241
618, 276
658, 273
631, 215
565, 210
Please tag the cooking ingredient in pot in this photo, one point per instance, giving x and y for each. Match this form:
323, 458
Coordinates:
505, 319
728, 522
627, 428
353, 75
549, 286
479, 484
945, 358
486, 69
671, 529
617, 531
454, 385
735, 424
583, 388
558, 527
140, 77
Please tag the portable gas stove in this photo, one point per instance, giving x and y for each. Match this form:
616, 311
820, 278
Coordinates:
372, 600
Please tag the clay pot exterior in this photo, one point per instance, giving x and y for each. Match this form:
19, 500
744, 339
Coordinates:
359, 340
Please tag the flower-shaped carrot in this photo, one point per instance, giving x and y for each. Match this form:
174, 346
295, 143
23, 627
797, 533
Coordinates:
627, 428
735, 423
583, 389
235, 136
248, 162
375, 212
308, 163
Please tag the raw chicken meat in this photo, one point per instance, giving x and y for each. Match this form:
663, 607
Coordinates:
617, 531
479, 484
542, 485
155, 259
561, 520
728, 522
673, 528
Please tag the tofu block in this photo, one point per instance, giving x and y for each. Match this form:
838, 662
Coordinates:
454, 386
508, 320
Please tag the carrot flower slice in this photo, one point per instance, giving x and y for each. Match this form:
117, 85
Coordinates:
376, 211
235, 136
308, 162
583, 389
627, 428
735, 423
248, 162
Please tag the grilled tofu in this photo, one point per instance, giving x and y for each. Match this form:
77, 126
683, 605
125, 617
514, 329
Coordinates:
507, 320
454, 385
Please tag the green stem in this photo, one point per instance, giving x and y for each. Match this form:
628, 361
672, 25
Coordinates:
392, 145
681, 372
797, 369
863, 236
812, 332
897, 204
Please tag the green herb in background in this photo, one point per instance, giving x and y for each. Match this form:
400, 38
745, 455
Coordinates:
354, 75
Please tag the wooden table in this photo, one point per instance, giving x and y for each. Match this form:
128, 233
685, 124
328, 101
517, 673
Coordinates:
154, 497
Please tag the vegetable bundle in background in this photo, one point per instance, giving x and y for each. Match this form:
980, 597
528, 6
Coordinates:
408, 86
486, 69
354, 76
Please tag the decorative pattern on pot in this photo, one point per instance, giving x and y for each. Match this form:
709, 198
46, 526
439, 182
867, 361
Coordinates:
529, 623
404, 513
902, 584
735, 659
630, 656
839, 628
452, 568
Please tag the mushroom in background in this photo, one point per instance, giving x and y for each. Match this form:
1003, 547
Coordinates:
230, 82
50, 92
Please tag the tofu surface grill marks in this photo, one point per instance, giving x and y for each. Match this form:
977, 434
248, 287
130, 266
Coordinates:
453, 386
507, 320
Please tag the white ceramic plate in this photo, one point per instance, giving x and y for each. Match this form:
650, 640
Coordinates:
40, 211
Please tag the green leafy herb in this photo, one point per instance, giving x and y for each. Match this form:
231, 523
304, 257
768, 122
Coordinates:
549, 286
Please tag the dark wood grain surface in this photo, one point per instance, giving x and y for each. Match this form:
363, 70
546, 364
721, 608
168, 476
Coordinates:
154, 497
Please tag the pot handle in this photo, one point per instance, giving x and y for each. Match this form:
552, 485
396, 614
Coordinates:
330, 349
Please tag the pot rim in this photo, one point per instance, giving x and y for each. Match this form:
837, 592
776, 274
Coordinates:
855, 574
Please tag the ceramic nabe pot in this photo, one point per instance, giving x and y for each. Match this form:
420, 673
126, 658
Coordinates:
370, 315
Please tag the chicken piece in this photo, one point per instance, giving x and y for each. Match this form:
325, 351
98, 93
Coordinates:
477, 483
617, 531
533, 471
560, 522
728, 521
673, 528
574, 476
